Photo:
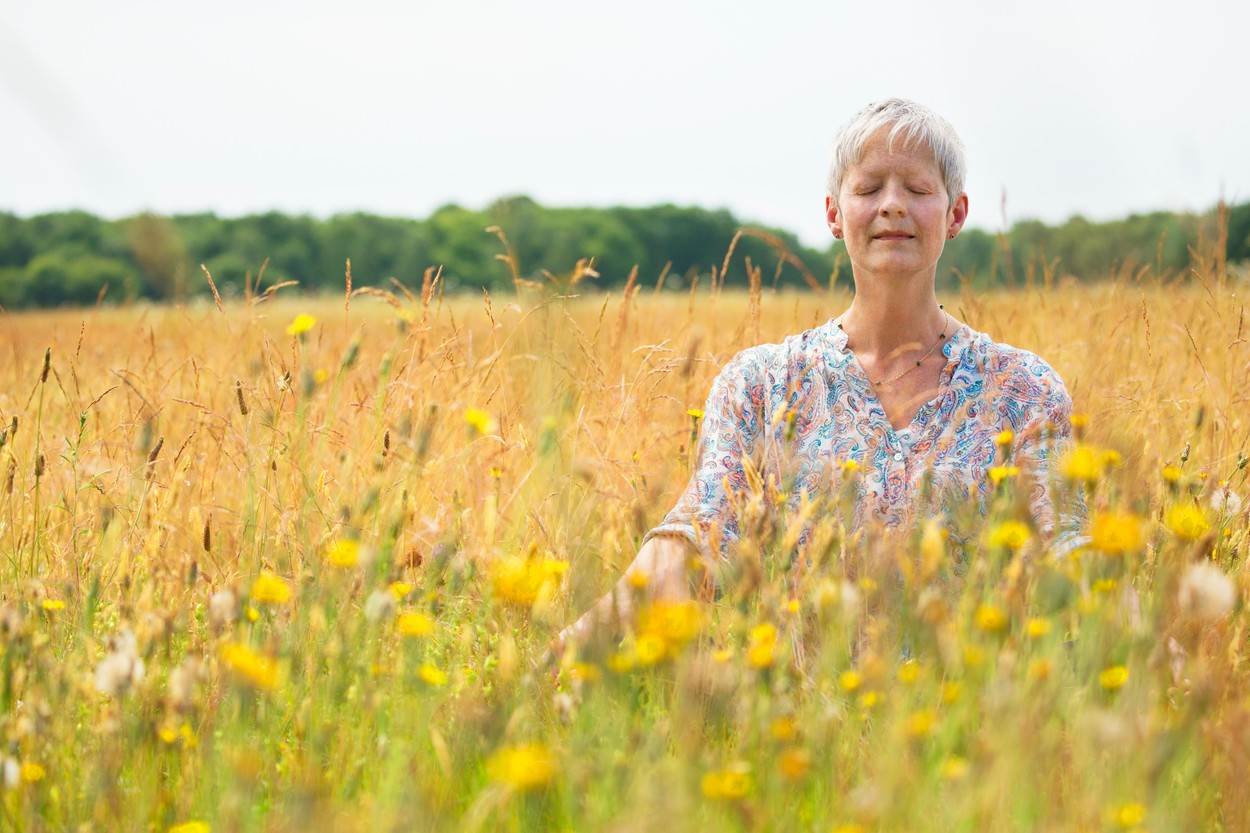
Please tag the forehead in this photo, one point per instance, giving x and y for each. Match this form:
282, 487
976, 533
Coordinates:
907, 157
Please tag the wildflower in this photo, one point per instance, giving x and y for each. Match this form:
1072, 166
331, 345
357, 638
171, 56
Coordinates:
919, 724
1129, 816
432, 675
343, 553
1187, 521
794, 763
1037, 627
850, 681
1004, 438
650, 649
1105, 585
1011, 535
990, 619
269, 588
849, 467
909, 672
413, 624
520, 581
122, 668
1113, 678
954, 768
868, 699
1171, 474
1206, 592
31, 772
585, 672
638, 579
52, 605
1000, 473
762, 646
1116, 533
792, 607
849, 828
480, 421
1083, 463
524, 768
783, 728
191, 827
729, 784
1040, 668
621, 662
399, 589
1224, 500
951, 692
722, 655
301, 324
257, 670
696, 413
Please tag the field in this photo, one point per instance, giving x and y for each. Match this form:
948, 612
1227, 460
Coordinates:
292, 565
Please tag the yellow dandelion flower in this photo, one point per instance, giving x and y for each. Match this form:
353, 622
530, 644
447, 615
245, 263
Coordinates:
795, 763
621, 662
1037, 627
520, 581
919, 724
412, 623
1116, 533
990, 619
1000, 473
269, 588
637, 579
792, 607
1040, 668
850, 681
1113, 678
321, 376
1171, 474
52, 605
849, 467
868, 699
722, 655
1187, 521
524, 767
762, 646
343, 553
301, 324
480, 421
191, 827
974, 656
1079, 420
1105, 585
783, 728
954, 768
729, 784
432, 675
1130, 816
951, 692
1004, 438
1011, 535
1082, 463
849, 828
697, 413
252, 668
399, 589
31, 772
650, 649
909, 672
251, 613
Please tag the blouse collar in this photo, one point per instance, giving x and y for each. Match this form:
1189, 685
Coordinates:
953, 345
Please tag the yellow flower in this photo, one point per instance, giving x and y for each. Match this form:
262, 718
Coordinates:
638, 579
762, 646
868, 699
1000, 473
269, 588
1083, 463
399, 589
585, 672
191, 827
850, 681
1079, 420
414, 624
524, 768
919, 724
954, 768
794, 763
1116, 533
650, 649
520, 581
909, 672
432, 675
621, 662
849, 828
51, 605
1171, 474
990, 618
344, 553
1010, 535
1113, 678
697, 413
1130, 816
1040, 668
257, 670
951, 692
1037, 627
729, 784
480, 421
301, 324
1004, 438
32, 772
321, 375
783, 728
251, 613
849, 467
722, 655
1187, 521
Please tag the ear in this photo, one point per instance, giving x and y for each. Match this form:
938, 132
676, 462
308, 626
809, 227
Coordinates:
833, 217
957, 215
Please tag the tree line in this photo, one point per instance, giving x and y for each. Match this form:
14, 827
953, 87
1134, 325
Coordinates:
74, 257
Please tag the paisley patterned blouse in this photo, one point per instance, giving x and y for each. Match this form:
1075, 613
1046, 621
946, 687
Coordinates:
984, 388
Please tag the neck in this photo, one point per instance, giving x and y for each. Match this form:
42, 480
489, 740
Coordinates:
888, 316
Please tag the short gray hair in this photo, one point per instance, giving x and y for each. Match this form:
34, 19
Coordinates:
916, 123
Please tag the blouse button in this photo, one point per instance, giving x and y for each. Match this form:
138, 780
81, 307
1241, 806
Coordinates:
898, 455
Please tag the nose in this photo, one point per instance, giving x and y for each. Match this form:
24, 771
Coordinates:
892, 202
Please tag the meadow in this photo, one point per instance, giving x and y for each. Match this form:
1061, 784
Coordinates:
292, 564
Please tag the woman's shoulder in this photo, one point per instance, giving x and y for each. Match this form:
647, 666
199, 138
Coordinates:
1021, 374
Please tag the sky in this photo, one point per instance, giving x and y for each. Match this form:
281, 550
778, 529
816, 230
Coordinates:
1097, 108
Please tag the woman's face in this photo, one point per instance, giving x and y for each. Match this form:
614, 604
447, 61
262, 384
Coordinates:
893, 209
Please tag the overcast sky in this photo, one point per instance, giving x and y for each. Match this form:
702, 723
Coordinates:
1091, 107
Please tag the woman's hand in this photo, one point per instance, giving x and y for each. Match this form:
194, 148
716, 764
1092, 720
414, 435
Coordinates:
660, 568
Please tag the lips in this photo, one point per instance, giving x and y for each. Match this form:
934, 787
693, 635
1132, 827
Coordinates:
893, 235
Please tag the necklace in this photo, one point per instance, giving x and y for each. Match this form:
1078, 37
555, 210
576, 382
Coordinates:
941, 337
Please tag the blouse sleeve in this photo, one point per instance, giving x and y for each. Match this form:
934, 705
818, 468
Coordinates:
1043, 443
729, 433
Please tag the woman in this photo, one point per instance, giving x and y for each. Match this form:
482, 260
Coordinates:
895, 383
